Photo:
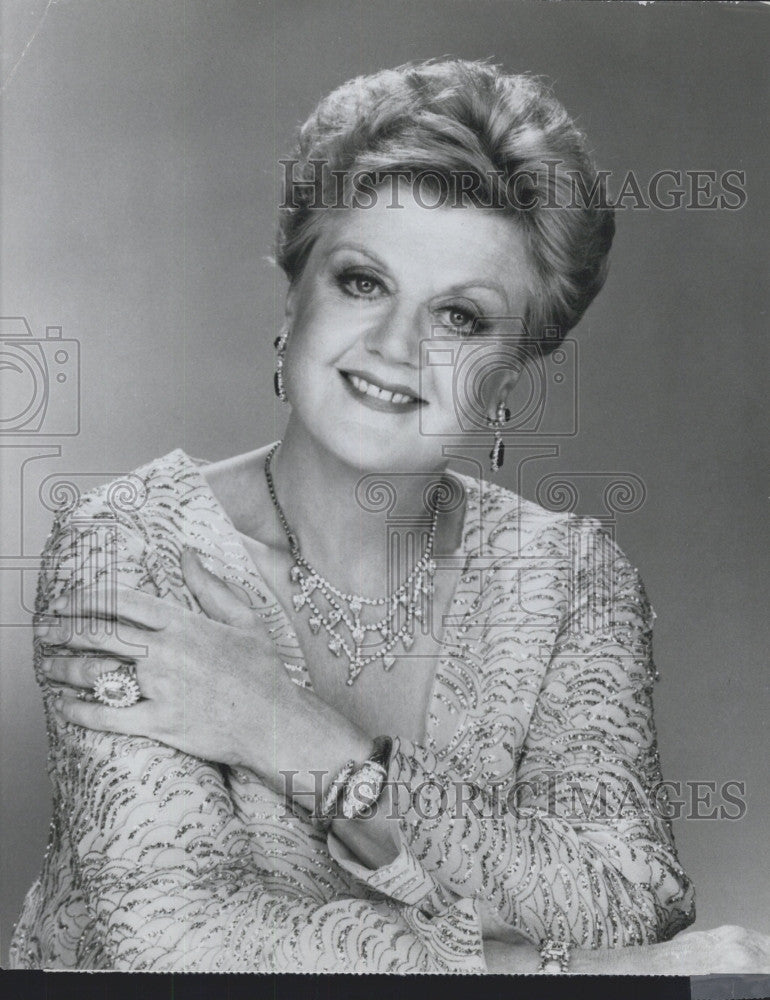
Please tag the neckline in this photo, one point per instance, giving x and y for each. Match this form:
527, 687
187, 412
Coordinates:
273, 607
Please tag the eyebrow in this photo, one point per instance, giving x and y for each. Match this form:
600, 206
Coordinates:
478, 283
349, 245
456, 289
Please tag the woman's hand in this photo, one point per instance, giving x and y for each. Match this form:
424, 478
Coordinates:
212, 684
505, 958
725, 949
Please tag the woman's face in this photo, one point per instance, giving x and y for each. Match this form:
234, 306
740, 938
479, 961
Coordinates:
391, 322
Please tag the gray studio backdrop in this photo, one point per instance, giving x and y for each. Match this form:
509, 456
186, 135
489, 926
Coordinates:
139, 180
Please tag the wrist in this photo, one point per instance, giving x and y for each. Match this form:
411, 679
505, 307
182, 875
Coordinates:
629, 961
305, 745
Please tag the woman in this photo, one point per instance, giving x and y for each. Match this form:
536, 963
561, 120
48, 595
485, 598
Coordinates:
235, 666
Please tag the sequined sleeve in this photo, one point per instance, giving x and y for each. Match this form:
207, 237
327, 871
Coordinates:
572, 842
165, 874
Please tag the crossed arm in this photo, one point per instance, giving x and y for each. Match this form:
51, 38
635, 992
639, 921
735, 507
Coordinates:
174, 879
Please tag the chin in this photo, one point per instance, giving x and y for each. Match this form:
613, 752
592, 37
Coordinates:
373, 450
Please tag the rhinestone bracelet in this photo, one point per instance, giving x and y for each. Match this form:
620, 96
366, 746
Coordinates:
363, 789
356, 787
323, 816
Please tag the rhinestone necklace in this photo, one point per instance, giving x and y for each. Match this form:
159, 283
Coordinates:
345, 609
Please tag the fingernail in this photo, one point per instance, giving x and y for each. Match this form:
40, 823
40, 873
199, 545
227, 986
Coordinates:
43, 629
60, 603
45, 666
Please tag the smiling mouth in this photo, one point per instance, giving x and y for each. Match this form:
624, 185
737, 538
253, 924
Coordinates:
371, 392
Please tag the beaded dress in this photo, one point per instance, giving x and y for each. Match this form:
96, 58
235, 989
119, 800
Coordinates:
539, 747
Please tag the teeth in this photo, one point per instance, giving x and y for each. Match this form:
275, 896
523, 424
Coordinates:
372, 390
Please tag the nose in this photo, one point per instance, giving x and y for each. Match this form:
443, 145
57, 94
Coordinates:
395, 336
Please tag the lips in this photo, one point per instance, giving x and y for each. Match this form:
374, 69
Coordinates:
367, 388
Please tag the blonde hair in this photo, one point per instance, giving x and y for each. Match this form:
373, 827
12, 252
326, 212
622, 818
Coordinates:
455, 117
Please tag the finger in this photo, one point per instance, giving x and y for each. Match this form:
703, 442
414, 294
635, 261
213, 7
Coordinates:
78, 671
92, 635
42, 624
134, 721
216, 599
114, 602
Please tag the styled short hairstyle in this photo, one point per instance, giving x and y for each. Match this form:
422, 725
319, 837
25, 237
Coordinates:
454, 118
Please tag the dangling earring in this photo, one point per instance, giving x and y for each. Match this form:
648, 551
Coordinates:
498, 448
278, 384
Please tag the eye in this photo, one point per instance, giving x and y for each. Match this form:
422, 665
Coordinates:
461, 320
359, 283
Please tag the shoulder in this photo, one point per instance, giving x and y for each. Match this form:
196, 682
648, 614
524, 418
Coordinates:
113, 524
172, 476
576, 552
498, 517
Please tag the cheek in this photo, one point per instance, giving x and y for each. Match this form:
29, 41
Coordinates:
305, 348
441, 388
321, 328
463, 393
444, 389
312, 353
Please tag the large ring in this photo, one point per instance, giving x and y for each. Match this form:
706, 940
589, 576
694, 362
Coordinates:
118, 688
554, 956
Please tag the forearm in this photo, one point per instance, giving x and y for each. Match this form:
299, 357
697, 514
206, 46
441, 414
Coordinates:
235, 919
522, 958
298, 743
312, 741
660, 959
607, 882
604, 893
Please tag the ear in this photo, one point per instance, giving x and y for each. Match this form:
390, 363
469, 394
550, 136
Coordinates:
511, 377
502, 388
290, 304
